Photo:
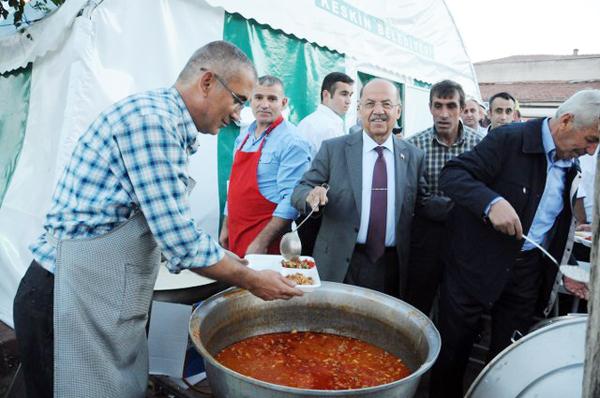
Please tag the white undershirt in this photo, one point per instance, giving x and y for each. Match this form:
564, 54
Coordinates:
319, 126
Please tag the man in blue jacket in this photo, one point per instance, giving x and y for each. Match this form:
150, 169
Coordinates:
521, 179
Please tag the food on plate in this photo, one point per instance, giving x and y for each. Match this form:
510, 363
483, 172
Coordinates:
297, 263
316, 361
587, 235
300, 279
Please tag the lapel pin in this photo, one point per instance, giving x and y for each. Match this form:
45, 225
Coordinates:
524, 190
402, 156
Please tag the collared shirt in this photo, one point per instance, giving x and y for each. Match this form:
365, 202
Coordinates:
319, 126
284, 159
482, 131
134, 156
369, 156
586, 188
437, 153
551, 203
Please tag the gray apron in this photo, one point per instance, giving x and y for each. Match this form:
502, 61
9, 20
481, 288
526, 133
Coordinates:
103, 287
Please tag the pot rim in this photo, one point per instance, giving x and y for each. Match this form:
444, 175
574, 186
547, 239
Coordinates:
560, 321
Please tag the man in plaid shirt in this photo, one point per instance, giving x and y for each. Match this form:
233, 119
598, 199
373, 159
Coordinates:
132, 162
447, 138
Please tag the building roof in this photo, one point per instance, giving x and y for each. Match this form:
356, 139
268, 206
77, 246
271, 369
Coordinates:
536, 57
543, 91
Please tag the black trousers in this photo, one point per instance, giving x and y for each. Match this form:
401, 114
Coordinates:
459, 317
425, 265
308, 234
381, 275
33, 310
581, 252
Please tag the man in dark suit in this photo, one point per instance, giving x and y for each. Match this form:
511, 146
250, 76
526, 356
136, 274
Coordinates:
521, 179
446, 138
376, 184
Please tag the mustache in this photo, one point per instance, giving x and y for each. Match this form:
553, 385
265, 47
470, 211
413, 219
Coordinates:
379, 118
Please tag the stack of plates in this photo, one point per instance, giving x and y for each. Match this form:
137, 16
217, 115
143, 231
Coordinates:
579, 273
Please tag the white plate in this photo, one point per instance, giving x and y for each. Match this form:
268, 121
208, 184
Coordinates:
261, 262
584, 265
580, 237
576, 273
310, 272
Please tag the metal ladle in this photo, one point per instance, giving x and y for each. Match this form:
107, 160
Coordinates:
290, 245
528, 239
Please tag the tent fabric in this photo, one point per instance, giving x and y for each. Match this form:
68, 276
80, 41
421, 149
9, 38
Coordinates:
16, 51
71, 85
14, 106
305, 67
421, 40
82, 64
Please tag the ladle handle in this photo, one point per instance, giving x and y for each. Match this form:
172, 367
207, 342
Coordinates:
324, 185
528, 239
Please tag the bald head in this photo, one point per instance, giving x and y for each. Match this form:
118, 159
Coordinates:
214, 85
381, 81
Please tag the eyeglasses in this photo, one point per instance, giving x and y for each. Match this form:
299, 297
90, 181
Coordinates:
239, 100
386, 105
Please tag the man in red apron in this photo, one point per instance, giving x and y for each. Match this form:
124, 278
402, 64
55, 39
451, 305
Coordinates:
269, 159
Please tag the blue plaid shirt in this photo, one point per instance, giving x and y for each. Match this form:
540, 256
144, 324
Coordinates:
134, 156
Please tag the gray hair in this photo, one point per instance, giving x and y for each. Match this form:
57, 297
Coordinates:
270, 81
220, 57
584, 105
380, 79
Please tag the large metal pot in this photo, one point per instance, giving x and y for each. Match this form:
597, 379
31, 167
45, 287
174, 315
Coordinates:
547, 362
376, 318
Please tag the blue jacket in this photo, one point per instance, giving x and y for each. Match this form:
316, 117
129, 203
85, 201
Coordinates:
509, 162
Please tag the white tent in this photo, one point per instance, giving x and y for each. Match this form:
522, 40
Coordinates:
88, 54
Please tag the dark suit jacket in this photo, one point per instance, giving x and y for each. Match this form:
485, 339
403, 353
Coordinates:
509, 162
339, 163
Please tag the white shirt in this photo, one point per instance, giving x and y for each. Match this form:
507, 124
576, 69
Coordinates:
586, 189
369, 156
319, 126
482, 130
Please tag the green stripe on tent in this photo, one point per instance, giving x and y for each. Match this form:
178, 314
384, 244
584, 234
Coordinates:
299, 64
14, 107
225, 141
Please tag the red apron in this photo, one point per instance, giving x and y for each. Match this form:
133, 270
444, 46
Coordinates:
248, 211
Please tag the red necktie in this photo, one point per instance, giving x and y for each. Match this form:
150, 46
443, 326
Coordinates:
377, 219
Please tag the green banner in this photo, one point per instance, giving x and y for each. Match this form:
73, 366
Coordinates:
299, 64
14, 107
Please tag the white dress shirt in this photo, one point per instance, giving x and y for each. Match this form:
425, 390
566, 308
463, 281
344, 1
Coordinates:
369, 156
319, 126
586, 189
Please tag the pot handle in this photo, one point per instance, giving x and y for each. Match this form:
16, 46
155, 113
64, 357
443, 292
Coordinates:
516, 336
